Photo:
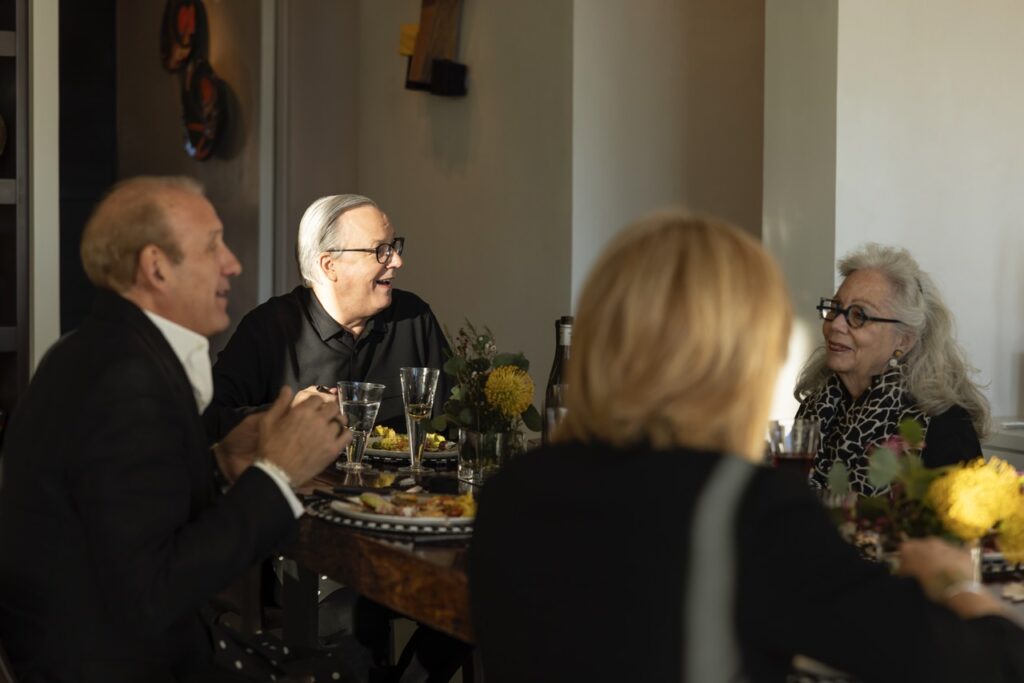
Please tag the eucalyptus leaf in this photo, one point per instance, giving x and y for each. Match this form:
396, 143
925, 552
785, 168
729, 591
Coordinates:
516, 359
455, 365
839, 479
531, 418
503, 359
457, 393
912, 432
439, 423
466, 418
884, 468
871, 507
918, 478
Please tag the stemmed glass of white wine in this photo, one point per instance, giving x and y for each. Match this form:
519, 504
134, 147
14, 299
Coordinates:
418, 386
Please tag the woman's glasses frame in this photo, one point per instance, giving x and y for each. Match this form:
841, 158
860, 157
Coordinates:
856, 316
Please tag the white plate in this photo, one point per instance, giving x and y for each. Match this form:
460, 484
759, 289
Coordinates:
427, 455
357, 511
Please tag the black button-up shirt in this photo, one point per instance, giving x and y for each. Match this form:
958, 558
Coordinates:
292, 340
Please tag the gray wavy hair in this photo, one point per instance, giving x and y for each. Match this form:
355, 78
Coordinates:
938, 374
317, 231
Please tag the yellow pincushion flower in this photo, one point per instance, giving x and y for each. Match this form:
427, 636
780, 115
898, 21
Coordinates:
509, 389
970, 500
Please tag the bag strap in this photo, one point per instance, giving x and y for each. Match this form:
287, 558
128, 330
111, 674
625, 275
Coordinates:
711, 652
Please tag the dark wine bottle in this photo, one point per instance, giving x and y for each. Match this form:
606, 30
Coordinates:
554, 395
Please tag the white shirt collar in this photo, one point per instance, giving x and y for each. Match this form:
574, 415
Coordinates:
193, 350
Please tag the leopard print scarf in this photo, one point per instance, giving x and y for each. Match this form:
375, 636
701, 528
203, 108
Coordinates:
850, 429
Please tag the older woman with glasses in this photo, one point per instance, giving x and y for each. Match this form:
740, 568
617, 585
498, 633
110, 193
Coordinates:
645, 544
889, 355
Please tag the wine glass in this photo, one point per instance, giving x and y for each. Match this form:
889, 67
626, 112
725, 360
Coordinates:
359, 402
794, 450
418, 386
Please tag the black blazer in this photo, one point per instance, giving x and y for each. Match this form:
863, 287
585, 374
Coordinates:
112, 534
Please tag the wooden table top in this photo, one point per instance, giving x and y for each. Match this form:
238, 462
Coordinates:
426, 581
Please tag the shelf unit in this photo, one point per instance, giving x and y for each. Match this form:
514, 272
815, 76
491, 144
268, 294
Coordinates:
14, 323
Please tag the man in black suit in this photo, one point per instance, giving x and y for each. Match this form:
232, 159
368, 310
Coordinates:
118, 521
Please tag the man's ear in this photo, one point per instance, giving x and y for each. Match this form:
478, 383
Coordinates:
150, 272
326, 265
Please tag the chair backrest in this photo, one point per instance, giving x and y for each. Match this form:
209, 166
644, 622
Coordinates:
6, 671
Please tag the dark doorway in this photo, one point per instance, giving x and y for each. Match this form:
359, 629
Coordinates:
88, 137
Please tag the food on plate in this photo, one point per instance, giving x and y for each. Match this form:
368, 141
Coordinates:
387, 439
417, 505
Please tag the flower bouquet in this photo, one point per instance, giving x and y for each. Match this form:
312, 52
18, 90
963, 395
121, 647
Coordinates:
491, 401
962, 503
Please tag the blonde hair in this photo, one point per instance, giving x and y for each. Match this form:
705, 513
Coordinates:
132, 215
680, 332
938, 374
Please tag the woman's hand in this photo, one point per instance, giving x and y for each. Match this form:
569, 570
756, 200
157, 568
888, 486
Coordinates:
946, 573
935, 564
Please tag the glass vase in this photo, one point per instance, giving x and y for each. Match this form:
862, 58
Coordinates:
481, 454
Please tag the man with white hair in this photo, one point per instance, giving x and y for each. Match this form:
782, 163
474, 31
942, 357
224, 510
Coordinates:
345, 322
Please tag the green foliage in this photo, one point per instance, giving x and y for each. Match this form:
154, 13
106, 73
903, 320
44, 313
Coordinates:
531, 417
912, 433
474, 356
884, 467
839, 479
898, 471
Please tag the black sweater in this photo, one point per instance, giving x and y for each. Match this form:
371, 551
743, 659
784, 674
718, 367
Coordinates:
291, 339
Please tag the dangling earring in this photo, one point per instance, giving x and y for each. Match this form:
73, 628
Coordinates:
895, 360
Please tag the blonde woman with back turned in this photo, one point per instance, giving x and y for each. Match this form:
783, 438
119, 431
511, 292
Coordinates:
645, 543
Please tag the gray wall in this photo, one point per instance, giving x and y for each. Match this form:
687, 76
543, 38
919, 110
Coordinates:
150, 138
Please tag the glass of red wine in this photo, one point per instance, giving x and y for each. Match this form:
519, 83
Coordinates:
793, 445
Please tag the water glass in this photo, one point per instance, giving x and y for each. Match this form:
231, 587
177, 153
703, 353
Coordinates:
359, 402
418, 386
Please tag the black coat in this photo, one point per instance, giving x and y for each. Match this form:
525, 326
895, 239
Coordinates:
112, 533
580, 557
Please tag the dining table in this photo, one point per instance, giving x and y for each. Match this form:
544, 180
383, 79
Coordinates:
417, 575
424, 576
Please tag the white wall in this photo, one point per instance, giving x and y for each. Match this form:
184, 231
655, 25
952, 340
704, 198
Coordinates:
930, 156
150, 137
479, 185
316, 116
800, 166
667, 110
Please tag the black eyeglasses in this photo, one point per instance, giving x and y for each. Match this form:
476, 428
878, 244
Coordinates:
855, 315
383, 251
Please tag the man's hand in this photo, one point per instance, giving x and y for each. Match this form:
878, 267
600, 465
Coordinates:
324, 393
304, 438
239, 448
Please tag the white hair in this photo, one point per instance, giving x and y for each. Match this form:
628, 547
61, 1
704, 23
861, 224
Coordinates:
317, 232
938, 374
